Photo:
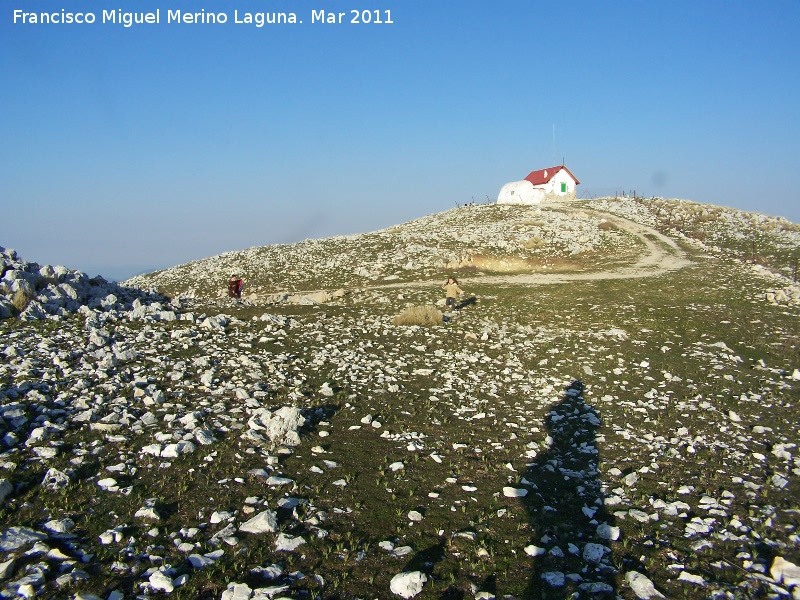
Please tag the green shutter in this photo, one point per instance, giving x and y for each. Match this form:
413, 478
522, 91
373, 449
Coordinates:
563, 187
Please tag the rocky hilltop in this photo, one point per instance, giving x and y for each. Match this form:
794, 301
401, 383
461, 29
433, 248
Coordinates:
611, 412
557, 238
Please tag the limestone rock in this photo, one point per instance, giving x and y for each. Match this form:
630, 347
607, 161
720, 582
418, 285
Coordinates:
264, 522
408, 585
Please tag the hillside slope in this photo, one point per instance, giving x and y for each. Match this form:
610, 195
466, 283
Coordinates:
623, 427
489, 239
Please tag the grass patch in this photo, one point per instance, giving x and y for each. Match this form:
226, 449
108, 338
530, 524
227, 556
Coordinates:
21, 298
533, 243
424, 316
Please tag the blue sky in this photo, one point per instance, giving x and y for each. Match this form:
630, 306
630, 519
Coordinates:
131, 149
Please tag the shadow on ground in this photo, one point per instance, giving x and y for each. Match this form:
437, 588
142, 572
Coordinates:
466, 302
570, 526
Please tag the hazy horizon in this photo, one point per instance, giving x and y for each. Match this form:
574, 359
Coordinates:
144, 147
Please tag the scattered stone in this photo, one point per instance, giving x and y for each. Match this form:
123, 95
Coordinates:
690, 578
533, 550
280, 427
642, 586
264, 522
607, 532
785, 572
594, 553
288, 543
408, 585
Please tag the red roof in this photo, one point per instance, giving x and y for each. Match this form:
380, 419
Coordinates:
545, 175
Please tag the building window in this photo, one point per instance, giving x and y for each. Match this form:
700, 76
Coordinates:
563, 187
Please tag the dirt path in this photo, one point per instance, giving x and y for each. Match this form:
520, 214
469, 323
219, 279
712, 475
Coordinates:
661, 255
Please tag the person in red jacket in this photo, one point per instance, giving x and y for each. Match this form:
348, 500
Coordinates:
235, 286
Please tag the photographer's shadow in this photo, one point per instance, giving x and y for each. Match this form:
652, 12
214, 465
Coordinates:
571, 531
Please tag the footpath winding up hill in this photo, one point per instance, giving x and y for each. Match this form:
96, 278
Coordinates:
611, 413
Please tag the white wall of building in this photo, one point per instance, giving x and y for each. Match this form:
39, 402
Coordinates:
520, 192
554, 185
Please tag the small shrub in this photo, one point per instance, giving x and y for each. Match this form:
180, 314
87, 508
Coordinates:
533, 243
21, 299
607, 226
419, 315
533, 223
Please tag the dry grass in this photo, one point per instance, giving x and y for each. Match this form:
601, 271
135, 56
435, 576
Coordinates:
21, 299
533, 243
419, 315
608, 226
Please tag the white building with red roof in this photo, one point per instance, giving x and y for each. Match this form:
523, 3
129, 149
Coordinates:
551, 184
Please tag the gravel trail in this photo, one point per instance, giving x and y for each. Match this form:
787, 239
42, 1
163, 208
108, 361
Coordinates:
661, 255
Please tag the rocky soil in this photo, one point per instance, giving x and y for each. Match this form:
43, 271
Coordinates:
599, 437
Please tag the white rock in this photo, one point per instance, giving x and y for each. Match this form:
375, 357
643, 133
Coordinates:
693, 579
778, 481
59, 525
263, 522
237, 591
408, 585
147, 512
108, 483
415, 515
785, 572
512, 492
280, 426
198, 561
533, 550
7, 568
593, 553
642, 586
402, 551
274, 481
640, 515
219, 517
631, 479
55, 479
26, 590
160, 581
396, 466
287, 543
176, 450
608, 532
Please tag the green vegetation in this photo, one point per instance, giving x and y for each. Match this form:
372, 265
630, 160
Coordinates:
689, 395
